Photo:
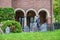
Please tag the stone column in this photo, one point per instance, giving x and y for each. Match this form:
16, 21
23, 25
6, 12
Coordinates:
26, 29
25, 21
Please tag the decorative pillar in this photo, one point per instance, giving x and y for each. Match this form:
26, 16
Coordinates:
26, 29
25, 23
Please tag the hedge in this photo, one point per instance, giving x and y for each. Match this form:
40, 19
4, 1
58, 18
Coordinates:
6, 14
15, 27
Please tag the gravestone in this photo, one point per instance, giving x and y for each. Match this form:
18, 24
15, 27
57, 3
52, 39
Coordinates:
31, 25
51, 27
34, 27
26, 29
43, 27
7, 30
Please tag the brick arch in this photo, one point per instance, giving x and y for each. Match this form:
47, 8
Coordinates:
44, 14
48, 14
19, 13
31, 9
30, 13
21, 10
20, 16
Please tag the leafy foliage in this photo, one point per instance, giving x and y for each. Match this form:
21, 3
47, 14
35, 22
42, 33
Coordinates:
56, 8
14, 26
6, 14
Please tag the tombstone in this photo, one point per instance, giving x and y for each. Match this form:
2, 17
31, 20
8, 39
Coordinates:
43, 27
7, 30
31, 25
34, 27
26, 29
51, 27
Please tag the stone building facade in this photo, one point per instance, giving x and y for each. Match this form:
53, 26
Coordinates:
25, 9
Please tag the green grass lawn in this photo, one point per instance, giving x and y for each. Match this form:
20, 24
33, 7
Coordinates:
55, 35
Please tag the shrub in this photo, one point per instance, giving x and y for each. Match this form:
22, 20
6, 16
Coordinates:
6, 14
15, 27
56, 10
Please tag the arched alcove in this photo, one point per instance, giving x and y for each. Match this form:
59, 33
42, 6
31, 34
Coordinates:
30, 17
42, 16
20, 17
